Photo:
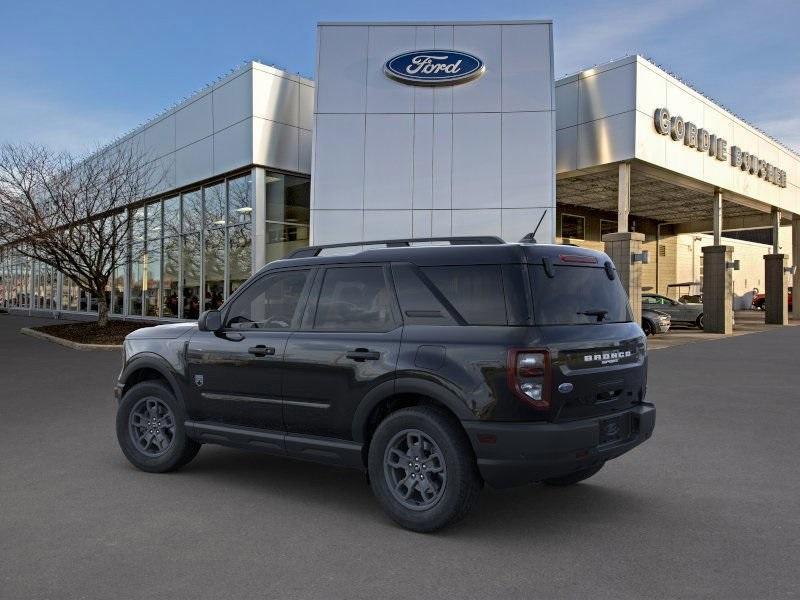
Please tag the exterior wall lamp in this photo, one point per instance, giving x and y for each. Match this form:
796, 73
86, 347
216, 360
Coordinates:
791, 270
732, 265
642, 257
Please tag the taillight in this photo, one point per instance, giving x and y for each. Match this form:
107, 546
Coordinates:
529, 376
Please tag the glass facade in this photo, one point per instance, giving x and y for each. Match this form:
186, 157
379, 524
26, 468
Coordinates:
187, 252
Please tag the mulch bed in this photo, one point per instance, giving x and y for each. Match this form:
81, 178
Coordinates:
90, 333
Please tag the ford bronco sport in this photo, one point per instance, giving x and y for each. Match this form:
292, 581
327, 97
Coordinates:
434, 368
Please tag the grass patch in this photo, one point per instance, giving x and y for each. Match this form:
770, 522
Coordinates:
90, 333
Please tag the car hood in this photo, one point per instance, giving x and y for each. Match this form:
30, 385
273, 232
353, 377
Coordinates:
169, 331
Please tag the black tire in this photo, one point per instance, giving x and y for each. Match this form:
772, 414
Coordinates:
699, 321
177, 449
457, 494
575, 477
648, 328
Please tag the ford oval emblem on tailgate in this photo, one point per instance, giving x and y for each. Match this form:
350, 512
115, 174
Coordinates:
565, 388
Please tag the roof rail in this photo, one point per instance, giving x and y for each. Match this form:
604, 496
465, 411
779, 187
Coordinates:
312, 251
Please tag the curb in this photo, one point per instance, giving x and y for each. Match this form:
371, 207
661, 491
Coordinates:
69, 344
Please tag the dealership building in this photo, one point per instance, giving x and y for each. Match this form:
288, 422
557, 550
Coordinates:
421, 130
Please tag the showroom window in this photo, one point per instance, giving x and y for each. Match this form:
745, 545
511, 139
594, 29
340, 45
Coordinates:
288, 210
607, 226
573, 227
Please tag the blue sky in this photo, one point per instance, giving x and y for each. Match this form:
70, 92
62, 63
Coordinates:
75, 74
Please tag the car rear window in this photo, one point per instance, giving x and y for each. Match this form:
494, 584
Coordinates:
577, 295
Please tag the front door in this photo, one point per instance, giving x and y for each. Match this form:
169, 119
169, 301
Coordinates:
236, 374
348, 344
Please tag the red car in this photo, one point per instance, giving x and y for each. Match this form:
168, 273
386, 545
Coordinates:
760, 299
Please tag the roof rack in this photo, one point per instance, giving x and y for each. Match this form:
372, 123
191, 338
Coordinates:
312, 251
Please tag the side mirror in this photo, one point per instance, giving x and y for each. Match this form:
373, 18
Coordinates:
210, 320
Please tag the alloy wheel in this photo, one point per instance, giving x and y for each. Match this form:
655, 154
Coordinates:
152, 426
415, 470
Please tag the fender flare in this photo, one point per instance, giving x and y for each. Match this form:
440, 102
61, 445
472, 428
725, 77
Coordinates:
406, 385
149, 360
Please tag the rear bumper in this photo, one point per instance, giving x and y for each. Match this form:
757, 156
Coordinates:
526, 452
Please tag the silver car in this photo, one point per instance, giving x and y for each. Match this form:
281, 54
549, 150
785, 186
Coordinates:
654, 321
682, 313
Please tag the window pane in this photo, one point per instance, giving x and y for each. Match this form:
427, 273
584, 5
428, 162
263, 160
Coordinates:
573, 291
172, 216
214, 292
119, 290
270, 303
354, 299
215, 205
607, 227
152, 279
170, 277
240, 207
154, 220
191, 276
476, 292
417, 302
137, 225
239, 256
288, 201
192, 211
572, 227
135, 299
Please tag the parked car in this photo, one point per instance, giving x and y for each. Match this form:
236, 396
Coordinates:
655, 321
759, 300
433, 369
684, 313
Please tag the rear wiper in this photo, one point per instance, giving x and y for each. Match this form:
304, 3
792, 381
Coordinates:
600, 314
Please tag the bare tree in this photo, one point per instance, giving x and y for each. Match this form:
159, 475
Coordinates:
70, 213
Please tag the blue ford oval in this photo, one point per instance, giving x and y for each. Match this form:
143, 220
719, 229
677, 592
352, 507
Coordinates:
434, 67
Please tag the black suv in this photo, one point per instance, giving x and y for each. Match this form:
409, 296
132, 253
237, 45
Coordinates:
434, 368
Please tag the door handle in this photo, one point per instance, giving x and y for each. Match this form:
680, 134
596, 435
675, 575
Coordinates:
362, 354
261, 350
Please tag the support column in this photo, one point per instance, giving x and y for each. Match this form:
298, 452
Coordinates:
623, 197
258, 197
717, 287
717, 217
776, 230
796, 262
621, 247
776, 289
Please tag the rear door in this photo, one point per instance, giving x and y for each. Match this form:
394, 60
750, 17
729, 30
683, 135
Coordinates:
348, 344
236, 374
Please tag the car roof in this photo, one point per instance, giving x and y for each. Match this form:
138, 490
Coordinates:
467, 254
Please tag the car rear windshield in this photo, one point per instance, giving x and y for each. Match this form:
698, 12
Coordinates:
577, 295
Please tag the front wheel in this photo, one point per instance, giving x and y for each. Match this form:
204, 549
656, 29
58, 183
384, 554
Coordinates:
649, 329
422, 469
150, 429
699, 322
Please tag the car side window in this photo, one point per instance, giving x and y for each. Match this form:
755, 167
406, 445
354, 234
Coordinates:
648, 300
271, 303
354, 299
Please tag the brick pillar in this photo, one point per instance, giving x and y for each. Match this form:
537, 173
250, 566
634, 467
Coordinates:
717, 287
776, 289
619, 247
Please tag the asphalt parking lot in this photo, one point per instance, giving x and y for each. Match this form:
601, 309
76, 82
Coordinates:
708, 508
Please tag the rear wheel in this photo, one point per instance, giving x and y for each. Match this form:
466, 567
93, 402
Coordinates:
150, 429
700, 320
575, 477
422, 469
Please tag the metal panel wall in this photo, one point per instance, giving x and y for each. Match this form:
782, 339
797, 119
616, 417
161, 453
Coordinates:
393, 160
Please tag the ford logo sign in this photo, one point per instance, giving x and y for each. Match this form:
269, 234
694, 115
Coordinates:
434, 67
